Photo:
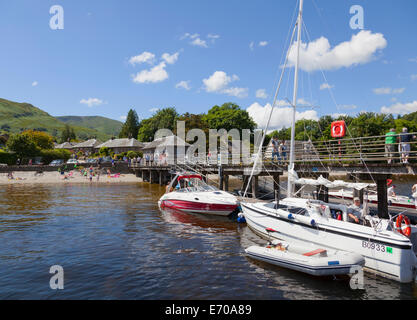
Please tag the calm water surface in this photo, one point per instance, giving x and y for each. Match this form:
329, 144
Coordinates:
114, 243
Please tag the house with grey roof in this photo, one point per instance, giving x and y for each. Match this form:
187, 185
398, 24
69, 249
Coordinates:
165, 150
65, 145
87, 147
121, 145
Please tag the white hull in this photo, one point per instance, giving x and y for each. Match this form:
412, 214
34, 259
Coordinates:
386, 253
331, 263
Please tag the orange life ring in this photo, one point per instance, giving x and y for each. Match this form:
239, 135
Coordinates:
405, 230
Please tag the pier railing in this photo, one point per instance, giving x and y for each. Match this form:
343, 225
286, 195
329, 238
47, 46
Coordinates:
336, 151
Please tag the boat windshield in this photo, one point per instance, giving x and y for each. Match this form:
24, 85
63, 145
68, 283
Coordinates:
193, 185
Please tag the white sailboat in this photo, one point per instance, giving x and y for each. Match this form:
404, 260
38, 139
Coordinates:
389, 249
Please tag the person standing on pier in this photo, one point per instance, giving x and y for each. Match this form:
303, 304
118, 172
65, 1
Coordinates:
390, 141
275, 149
283, 151
405, 139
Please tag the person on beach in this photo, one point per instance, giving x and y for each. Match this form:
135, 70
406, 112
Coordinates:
98, 175
390, 141
10, 176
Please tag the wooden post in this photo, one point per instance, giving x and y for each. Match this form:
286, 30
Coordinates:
276, 187
226, 182
255, 187
221, 178
150, 176
160, 178
381, 187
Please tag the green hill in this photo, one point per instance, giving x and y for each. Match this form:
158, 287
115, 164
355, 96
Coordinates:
16, 117
102, 124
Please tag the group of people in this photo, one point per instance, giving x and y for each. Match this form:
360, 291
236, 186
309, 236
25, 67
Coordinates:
402, 140
279, 150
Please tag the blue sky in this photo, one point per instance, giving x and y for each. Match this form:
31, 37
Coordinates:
110, 56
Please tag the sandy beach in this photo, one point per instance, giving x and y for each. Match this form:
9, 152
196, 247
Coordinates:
30, 177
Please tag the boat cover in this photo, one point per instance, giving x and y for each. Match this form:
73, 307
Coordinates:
321, 181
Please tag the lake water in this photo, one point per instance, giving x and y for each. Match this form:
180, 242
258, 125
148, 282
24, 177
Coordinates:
114, 243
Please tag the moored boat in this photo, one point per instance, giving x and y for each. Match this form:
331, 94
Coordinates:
313, 260
189, 193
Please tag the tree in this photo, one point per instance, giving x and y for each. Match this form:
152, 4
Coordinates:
163, 119
67, 134
23, 145
131, 126
104, 151
229, 116
42, 139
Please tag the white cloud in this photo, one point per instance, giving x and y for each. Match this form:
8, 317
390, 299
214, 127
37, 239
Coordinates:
170, 58
236, 92
123, 117
413, 77
325, 85
413, 60
213, 37
380, 91
156, 74
34, 83
337, 115
281, 117
318, 54
400, 108
196, 40
261, 93
153, 110
252, 45
218, 83
183, 84
91, 102
199, 43
263, 43
145, 57
189, 36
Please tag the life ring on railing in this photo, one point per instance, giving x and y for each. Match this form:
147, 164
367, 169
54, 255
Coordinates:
405, 230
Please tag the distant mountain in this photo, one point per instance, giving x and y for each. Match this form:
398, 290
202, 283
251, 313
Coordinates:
16, 117
102, 124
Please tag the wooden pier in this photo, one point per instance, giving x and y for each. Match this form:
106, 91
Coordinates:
377, 173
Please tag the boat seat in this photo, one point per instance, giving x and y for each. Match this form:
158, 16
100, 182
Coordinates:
313, 253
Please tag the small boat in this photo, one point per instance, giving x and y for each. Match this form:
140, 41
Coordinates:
314, 261
187, 192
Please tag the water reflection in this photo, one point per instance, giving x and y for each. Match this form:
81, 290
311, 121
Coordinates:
114, 243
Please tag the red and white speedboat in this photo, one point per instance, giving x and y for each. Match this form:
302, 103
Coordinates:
189, 193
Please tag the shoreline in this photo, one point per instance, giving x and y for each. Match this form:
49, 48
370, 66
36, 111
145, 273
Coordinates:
30, 177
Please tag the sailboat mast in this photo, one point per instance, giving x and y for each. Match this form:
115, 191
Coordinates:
290, 189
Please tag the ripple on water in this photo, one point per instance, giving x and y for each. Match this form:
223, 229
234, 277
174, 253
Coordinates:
114, 243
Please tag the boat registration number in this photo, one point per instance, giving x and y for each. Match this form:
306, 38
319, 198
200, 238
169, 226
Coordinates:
375, 246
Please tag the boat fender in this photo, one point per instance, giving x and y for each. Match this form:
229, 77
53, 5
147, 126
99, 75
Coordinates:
312, 222
290, 216
241, 218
